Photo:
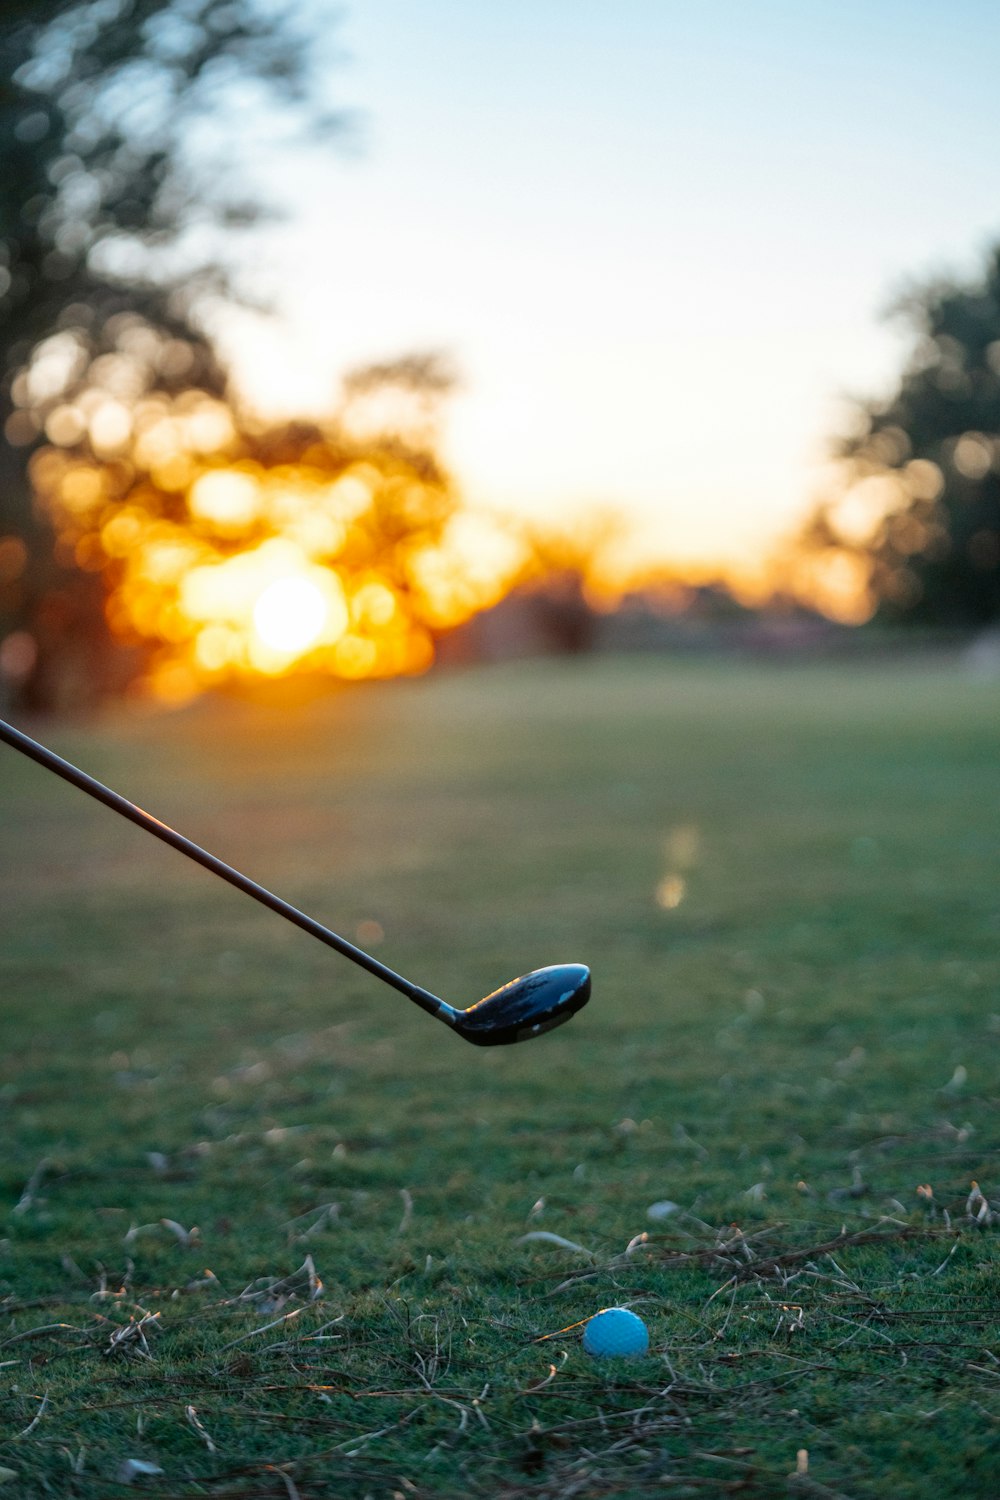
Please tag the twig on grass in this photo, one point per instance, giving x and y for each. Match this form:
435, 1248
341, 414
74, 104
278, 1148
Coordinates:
556, 1333
35, 1333
199, 1427
27, 1431
938, 1269
730, 1285
130, 1338
27, 1198
737, 1252
318, 1336
799, 1482
539, 1385
209, 1279
863, 1327
102, 1293
645, 1423
323, 1216
254, 1332
776, 1263
75, 1460
464, 1408
188, 1239
404, 1222
555, 1239
271, 1293
352, 1446
136, 1468
290, 1485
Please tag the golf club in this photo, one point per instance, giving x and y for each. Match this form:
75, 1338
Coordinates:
519, 1010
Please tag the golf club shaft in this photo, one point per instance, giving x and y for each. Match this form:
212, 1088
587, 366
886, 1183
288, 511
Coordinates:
52, 762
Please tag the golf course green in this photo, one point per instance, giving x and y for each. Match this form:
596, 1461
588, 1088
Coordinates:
270, 1230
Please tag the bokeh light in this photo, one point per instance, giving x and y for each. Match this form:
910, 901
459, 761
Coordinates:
227, 550
290, 615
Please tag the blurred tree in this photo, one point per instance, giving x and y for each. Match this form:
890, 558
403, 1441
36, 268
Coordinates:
561, 578
222, 548
915, 530
114, 115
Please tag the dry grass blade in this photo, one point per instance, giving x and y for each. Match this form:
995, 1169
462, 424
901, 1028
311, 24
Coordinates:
195, 1421
29, 1194
130, 1338
281, 1322
546, 1237
43, 1408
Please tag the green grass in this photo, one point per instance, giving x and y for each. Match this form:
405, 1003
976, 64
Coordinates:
801, 1054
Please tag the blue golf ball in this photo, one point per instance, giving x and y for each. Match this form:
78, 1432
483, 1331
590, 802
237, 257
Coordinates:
615, 1333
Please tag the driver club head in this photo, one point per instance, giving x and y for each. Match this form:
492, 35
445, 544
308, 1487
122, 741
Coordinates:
516, 1012
526, 1007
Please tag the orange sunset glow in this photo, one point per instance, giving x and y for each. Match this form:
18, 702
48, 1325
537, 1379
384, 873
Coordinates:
229, 552
341, 330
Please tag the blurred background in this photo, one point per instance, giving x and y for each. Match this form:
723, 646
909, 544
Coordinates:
341, 342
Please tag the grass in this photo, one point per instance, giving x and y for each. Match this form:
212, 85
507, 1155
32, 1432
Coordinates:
785, 881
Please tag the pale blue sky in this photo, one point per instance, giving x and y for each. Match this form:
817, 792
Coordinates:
655, 236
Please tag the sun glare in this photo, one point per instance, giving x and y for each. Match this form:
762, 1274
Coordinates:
229, 553
290, 615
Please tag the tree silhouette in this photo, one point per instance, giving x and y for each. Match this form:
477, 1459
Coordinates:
113, 114
919, 511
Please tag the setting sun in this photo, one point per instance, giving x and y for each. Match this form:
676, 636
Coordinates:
291, 614
229, 552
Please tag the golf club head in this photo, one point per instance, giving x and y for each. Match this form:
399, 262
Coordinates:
526, 1007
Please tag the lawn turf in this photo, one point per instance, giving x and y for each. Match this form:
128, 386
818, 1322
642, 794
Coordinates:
786, 882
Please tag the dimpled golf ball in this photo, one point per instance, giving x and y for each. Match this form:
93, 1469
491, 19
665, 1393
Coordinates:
615, 1333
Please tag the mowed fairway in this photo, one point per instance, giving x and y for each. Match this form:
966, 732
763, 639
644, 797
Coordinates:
787, 884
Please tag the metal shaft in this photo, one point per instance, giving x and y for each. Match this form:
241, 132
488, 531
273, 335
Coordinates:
52, 762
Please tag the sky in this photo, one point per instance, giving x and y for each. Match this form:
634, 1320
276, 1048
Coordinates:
656, 238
